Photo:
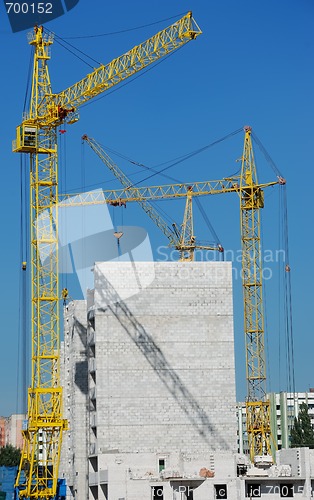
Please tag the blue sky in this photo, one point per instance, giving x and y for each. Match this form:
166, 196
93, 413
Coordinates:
253, 65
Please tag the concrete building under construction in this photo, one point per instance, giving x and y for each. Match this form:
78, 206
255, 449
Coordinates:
147, 359
149, 391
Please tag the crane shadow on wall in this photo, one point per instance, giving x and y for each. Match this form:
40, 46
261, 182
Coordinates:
157, 360
81, 367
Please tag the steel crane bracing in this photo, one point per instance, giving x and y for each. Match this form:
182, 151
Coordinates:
37, 135
184, 240
251, 197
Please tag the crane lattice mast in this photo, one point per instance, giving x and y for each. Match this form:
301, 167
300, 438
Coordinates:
257, 407
37, 136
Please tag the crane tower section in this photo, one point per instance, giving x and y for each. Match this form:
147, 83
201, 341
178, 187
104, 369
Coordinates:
42, 441
257, 407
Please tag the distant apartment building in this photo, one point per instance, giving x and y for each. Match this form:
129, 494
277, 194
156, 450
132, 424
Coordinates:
14, 430
284, 406
11, 430
2, 431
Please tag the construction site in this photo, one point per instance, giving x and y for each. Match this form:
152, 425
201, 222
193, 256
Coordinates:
133, 383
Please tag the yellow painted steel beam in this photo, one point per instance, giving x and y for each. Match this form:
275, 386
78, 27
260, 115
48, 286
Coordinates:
162, 192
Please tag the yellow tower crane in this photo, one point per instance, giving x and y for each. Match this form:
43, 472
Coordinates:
184, 240
37, 136
251, 197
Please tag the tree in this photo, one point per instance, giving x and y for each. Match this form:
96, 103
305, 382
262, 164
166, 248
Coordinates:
302, 432
9, 456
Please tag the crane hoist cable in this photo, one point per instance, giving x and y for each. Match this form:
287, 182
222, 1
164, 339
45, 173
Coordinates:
287, 271
267, 155
288, 296
63, 44
28, 86
125, 30
64, 39
157, 208
174, 161
265, 299
154, 168
190, 155
281, 339
134, 162
62, 146
285, 275
208, 223
177, 160
22, 349
285, 331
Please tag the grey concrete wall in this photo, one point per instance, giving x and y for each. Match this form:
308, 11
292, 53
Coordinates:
165, 376
74, 462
